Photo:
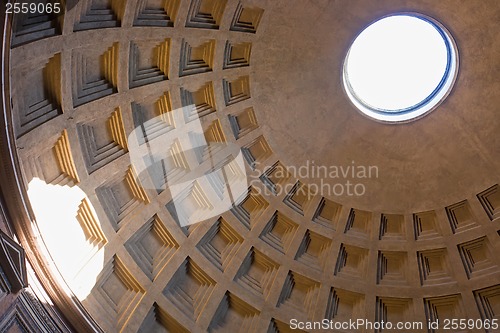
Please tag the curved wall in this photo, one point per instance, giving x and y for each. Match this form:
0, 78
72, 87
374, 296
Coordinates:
420, 244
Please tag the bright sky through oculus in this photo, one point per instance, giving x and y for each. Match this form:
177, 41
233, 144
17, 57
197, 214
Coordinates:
396, 63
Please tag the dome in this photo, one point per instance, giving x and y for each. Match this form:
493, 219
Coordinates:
207, 165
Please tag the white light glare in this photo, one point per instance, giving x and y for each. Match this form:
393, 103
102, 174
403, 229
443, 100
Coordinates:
396, 63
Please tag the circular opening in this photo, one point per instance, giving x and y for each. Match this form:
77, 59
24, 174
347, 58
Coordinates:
400, 67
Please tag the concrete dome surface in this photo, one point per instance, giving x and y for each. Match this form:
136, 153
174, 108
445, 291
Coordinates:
197, 166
